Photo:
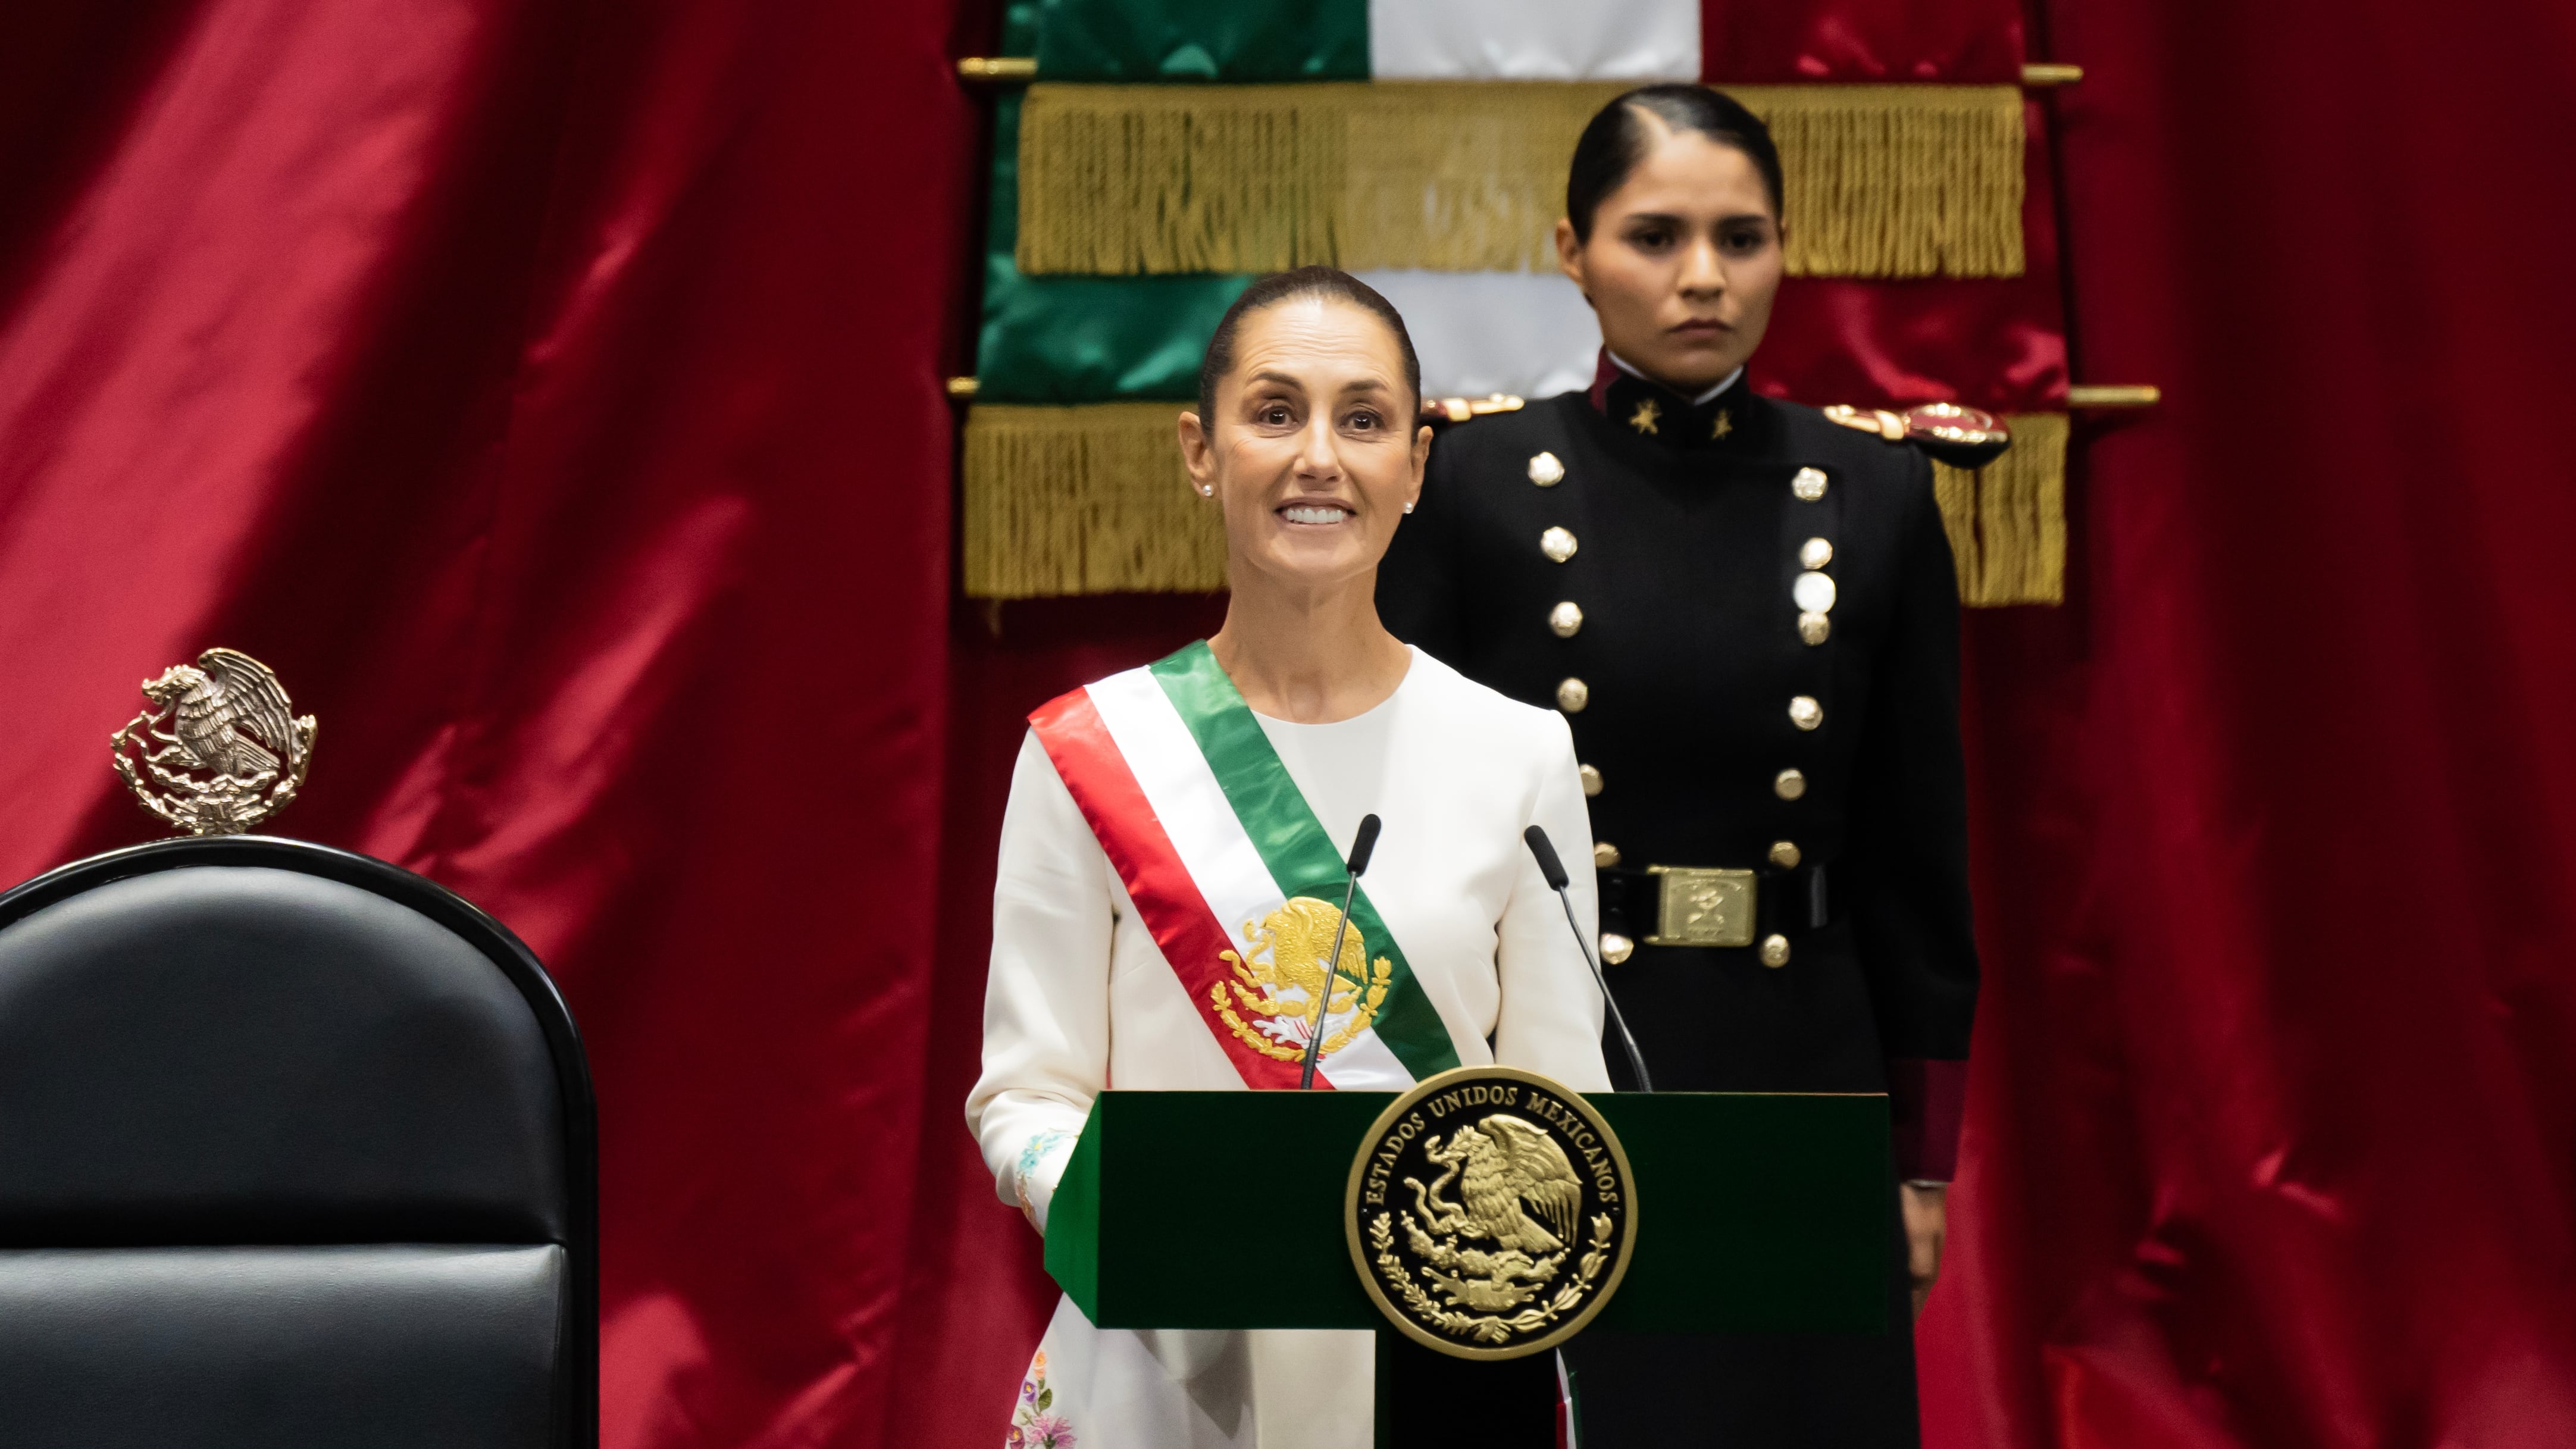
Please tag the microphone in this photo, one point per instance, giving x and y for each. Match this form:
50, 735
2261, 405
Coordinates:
1557, 880
1361, 844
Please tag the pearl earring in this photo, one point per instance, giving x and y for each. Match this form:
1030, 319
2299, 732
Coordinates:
1408, 508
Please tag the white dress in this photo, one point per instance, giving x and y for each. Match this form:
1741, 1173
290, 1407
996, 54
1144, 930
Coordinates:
1080, 999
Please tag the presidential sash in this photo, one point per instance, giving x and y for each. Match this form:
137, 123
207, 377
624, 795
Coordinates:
1235, 879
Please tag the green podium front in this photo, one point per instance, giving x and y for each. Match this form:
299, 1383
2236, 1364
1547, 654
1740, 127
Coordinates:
1755, 1212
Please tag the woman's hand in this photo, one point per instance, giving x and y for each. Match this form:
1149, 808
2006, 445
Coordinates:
1927, 1222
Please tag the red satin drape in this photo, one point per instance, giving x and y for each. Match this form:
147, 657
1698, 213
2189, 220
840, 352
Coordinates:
1997, 343
551, 393
549, 390
1959, 42
2272, 1126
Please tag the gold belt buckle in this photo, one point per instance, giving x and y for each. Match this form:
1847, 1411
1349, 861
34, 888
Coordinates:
1702, 907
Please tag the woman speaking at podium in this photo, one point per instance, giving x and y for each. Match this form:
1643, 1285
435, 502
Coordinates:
1171, 872
1749, 617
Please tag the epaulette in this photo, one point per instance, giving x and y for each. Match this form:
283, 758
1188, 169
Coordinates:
1439, 410
1962, 437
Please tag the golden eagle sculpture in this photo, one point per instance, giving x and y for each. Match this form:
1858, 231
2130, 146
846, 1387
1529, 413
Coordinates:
234, 754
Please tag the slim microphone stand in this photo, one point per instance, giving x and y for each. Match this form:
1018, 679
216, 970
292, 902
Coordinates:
1552, 870
1362, 843
1636, 1058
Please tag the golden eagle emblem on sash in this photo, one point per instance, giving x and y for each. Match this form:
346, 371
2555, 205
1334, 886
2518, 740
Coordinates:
235, 752
1278, 981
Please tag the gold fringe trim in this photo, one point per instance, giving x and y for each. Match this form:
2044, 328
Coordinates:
1469, 176
1093, 500
1084, 500
2007, 520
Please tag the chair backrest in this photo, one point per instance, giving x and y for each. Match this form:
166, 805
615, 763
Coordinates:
296, 1148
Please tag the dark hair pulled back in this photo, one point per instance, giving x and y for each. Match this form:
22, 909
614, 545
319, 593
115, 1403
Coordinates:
1279, 287
1617, 138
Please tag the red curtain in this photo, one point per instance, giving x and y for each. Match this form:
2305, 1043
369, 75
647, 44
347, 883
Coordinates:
1995, 343
549, 390
1958, 42
2272, 1122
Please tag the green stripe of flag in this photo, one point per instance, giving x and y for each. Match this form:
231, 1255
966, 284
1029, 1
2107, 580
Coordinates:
1075, 339
1293, 844
1238, 41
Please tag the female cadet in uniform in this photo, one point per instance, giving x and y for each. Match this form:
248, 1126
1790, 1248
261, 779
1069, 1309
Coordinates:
1168, 821
1748, 615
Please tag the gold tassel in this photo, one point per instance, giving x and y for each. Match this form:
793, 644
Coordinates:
1898, 181
1093, 500
2007, 520
1084, 500
1469, 176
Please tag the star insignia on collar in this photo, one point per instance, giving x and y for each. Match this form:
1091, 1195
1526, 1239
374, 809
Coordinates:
1724, 427
1644, 420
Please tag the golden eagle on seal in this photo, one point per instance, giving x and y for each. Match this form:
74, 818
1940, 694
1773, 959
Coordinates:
1501, 1163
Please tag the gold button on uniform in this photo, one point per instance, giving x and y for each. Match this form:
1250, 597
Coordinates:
1557, 544
1809, 484
1572, 695
1775, 951
1815, 628
1804, 712
1784, 854
1814, 593
1789, 784
1590, 777
1545, 471
1565, 618
1815, 553
1616, 948
1604, 854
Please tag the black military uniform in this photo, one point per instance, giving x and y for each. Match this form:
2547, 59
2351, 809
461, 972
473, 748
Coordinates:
1749, 616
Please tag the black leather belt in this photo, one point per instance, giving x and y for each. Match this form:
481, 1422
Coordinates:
1699, 906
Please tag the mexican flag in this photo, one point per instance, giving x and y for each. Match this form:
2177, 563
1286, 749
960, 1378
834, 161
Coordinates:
1170, 149
1185, 136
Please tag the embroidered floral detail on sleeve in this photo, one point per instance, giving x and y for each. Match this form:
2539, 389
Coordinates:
1032, 1425
1031, 1154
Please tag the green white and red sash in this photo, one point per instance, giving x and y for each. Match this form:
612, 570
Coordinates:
1211, 837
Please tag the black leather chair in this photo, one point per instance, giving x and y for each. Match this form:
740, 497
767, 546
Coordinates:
296, 1150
